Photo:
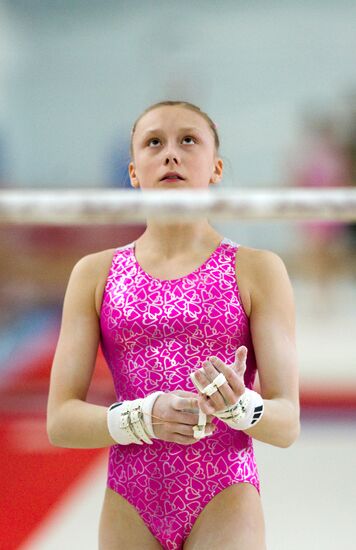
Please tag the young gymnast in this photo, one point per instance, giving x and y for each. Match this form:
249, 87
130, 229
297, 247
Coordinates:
186, 318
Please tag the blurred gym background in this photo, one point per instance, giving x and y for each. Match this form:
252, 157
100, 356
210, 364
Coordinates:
279, 80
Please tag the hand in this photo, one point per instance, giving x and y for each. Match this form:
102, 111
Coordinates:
229, 393
177, 413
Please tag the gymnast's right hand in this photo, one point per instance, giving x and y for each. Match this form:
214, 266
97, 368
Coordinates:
174, 414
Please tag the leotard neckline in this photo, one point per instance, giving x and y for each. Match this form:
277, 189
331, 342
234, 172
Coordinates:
133, 247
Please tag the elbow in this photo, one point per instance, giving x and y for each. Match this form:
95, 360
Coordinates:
291, 436
54, 434
54, 441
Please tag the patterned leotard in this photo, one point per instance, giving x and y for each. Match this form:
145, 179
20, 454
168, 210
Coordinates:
153, 334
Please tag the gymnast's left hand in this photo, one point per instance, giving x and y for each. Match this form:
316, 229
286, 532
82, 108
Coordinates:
229, 393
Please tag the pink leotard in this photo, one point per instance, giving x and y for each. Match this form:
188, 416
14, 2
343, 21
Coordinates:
153, 334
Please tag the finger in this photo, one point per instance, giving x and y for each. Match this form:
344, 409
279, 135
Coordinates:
218, 363
186, 403
227, 389
189, 404
216, 400
221, 396
205, 405
240, 360
233, 385
184, 393
191, 418
189, 432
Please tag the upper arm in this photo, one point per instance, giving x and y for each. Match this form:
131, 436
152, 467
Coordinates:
78, 341
272, 324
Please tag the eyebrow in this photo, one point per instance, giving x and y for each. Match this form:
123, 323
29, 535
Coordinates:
156, 130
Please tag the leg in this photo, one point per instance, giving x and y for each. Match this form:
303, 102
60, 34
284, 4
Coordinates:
121, 526
232, 520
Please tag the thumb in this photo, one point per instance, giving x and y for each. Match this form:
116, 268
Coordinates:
240, 359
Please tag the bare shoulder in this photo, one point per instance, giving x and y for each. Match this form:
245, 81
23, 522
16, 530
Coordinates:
92, 265
92, 270
256, 259
256, 270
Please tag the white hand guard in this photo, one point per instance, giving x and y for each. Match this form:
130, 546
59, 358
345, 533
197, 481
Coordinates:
245, 413
131, 421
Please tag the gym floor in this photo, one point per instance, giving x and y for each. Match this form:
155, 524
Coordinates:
308, 490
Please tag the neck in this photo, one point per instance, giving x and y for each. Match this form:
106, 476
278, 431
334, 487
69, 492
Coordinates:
172, 239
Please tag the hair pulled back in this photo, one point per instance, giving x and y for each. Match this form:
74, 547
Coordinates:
186, 105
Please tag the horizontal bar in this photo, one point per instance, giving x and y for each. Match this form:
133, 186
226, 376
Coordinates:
125, 206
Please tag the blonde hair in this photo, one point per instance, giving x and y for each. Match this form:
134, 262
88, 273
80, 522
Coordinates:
186, 105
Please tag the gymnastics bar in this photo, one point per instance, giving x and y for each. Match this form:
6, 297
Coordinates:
125, 206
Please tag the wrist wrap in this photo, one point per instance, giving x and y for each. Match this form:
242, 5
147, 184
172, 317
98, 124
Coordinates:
131, 421
244, 414
247, 412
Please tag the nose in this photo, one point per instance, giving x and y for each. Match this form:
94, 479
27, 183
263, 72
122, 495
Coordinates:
171, 155
171, 158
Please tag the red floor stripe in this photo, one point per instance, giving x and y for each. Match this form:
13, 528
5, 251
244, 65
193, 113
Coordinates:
34, 475
328, 397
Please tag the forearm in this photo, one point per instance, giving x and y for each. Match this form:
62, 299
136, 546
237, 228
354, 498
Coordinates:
279, 425
78, 424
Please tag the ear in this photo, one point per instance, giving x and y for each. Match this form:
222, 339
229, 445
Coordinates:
218, 171
132, 174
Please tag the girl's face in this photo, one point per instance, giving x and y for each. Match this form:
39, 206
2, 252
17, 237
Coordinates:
174, 139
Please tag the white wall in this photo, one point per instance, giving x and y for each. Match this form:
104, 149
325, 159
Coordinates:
75, 74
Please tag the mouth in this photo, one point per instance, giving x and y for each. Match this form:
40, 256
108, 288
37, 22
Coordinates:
172, 176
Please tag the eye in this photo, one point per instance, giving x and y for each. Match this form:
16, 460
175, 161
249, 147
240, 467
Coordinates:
151, 140
190, 137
